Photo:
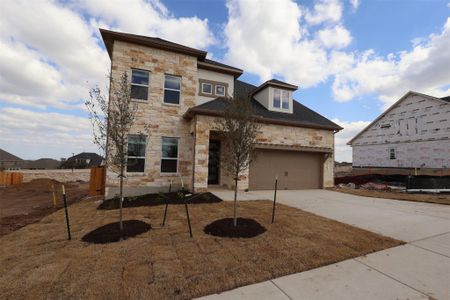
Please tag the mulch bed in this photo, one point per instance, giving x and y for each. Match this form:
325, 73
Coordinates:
159, 199
110, 233
246, 228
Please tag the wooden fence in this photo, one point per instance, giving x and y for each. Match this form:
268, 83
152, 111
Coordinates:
97, 181
11, 178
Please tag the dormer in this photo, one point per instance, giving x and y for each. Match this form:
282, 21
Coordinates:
275, 95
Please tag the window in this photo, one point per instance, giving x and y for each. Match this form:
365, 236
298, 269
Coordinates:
280, 99
169, 155
207, 88
220, 90
392, 153
210, 88
172, 89
136, 153
139, 84
285, 100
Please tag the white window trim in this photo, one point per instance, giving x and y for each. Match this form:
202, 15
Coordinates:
215, 90
288, 100
164, 88
144, 157
140, 84
210, 84
170, 158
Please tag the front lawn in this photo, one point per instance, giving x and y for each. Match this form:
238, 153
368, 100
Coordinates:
38, 262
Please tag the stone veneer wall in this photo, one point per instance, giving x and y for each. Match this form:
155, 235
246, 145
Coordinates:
167, 120
64, 175
269, 134
164, 120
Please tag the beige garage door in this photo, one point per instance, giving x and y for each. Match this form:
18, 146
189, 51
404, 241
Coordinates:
295, 170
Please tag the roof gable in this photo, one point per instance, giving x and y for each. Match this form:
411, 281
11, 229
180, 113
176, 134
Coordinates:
403, 98
301, 116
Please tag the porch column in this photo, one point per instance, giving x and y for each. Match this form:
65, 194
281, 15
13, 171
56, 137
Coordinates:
201, 151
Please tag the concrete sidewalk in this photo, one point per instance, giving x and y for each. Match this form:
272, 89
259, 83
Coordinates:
417, 270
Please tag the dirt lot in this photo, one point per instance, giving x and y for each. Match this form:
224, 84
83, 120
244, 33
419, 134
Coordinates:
429, 198
165, 263
29, 202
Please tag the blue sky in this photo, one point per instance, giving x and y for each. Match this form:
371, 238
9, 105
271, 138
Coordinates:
351, 59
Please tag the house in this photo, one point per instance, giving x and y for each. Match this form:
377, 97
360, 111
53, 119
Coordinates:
413, 133
180, 96
83, 160
9, 161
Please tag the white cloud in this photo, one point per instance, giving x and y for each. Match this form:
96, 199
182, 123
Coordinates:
51, 53
31, 135
334, 37
324, 11
274, 41
425, 68
149, 18
355, 4
343, 152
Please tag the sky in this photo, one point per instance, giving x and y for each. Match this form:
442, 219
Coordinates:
350, 58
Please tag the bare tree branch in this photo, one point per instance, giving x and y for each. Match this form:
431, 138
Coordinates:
239, 130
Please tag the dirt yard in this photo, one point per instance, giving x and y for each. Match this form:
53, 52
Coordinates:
165, 263
429, 198
29, 202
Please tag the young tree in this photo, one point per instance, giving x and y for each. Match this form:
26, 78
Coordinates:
111, 121
239, 129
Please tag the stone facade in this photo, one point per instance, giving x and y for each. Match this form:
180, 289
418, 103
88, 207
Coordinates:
163, 120
269, 134
156, 119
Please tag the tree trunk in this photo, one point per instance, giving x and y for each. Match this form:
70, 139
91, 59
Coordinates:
235, 201
121, 198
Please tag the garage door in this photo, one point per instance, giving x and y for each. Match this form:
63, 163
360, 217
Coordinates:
295, 170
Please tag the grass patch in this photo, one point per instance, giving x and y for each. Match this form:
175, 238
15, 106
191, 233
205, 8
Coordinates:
173, 198
165, 263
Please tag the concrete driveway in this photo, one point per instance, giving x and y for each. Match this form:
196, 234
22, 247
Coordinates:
418, 270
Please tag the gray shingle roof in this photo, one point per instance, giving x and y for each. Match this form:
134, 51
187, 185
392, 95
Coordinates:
301, 116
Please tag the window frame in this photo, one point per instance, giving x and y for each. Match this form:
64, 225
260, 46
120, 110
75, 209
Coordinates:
210, 84
215, 90
140, 84
169, 158
282, 99
213, 84
136, 157
169, 89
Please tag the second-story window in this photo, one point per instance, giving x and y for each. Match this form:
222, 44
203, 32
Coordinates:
280, 99
220, 90
172, 89
139, 84
207, 88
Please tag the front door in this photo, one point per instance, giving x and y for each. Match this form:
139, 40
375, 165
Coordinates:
214, 162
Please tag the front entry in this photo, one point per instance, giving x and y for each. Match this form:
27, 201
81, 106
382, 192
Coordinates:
214, 162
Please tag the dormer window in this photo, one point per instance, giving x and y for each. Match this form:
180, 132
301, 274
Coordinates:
280, 99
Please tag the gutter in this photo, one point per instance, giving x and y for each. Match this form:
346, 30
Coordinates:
191, 112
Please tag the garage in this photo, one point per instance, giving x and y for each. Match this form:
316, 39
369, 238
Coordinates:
295, 170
